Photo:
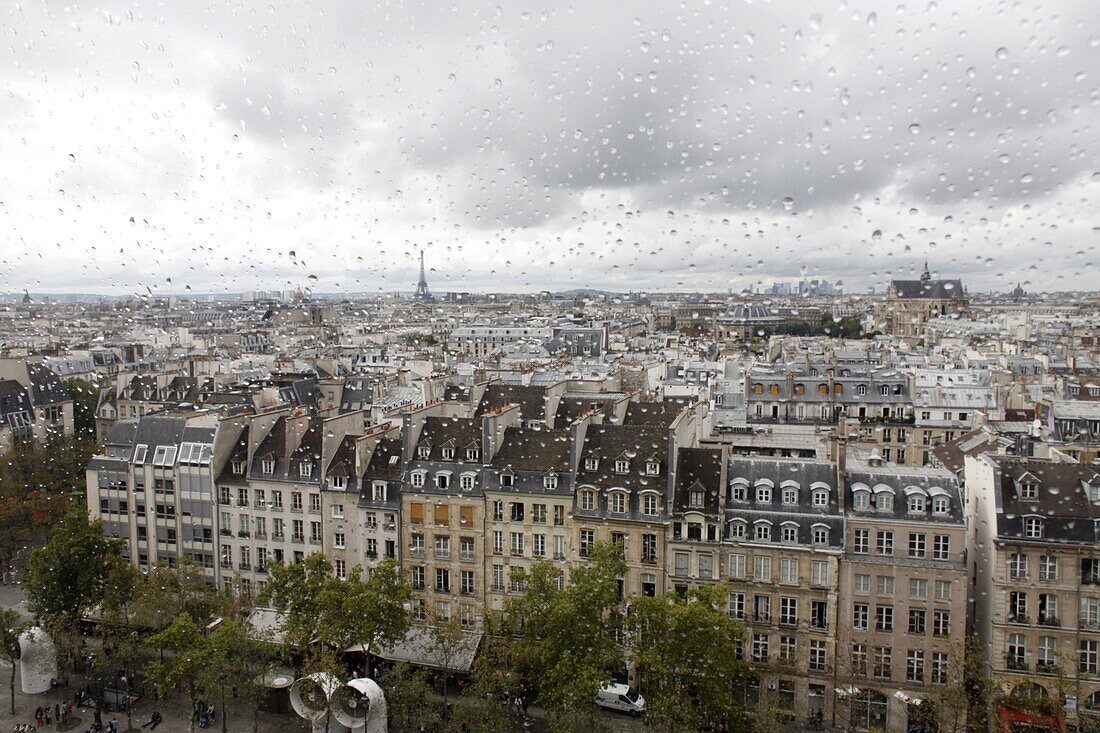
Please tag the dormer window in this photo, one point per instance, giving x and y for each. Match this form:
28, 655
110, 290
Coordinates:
737, 530
472, 454
739, 492
305, 469
861, 499
238, 468
550, 482
1033, 528
423, 452
417, 479
141, 452
338, 482
762, 532
448, 454
884, 502
591, 464
442, 480
588, 500
764, 494
790, 496
617, 502
695, 498
652, 468
622, 466
916, 504
507, 480
649, 505
861, 389
820, 498
884, 390
267, 465
378, 491
821, 535
1029, 490
789, 533
941, 506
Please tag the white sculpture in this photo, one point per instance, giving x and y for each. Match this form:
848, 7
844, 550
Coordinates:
357, 707
37, 661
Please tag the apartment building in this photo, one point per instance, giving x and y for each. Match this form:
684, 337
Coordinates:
1037, 562
379, 504
152, 487
694, 540
783, 539
903, 593
528, 489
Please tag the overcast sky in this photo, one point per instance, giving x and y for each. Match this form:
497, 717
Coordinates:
631, 146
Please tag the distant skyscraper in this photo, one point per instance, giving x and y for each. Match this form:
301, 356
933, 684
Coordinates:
422, 286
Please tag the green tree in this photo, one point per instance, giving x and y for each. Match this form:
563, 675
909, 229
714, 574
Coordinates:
567, 637
408, 699
448, 641
185, 668
11, 626
85, 396
168, 590
685, 651
67, 577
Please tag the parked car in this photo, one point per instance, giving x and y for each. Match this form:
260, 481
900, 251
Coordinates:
621, 698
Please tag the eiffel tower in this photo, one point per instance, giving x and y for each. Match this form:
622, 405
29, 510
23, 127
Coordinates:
422, 286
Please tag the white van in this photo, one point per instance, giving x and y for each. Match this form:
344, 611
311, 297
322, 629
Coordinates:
621, 698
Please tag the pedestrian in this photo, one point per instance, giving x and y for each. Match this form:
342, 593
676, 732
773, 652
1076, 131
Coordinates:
113, 726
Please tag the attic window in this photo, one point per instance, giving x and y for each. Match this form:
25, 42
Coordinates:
448, 454
940, 505
550, 482
238, 468
164, 456
141, 452
394, 460
622, 466
1029, 490
591, 464
1033, 527
507, 480
267, 466
884, 390
305, 469
695, 498
337, 482
652, 468
423, 451
378, 491
472, 454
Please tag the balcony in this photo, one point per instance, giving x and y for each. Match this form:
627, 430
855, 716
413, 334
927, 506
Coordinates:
762, 618
789, 622
226, 565
819, 625
243, 533
224, 501
298, 539
649, 559
1090, 579
259, 505
261, 535
1015, 663
1089, 623
244, 566
226, 532
1045, 667
416, 552
314, 540
442, 554
278, 536
466, 557
1017, 619
242, 503
1049, 620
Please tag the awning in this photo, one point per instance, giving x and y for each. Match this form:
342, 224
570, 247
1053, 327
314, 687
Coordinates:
420, 648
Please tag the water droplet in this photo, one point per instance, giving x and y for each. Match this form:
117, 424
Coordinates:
914, 128
1002, 53
788, 203
876, 235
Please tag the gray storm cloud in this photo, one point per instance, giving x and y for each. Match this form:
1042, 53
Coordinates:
644, 146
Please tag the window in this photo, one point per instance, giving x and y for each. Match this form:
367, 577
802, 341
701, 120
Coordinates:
652, 468
1088, 659
861, 615
1029, 490
737, 529
760, 648
914, 666
538, 513
338, 540
1017, 566
498, 578
861, 499
764, 494
338, 511
417, 478
507, 480
790, 533
267, 466
820, 498
443, 480
305, 469
941, 506
941, 547
1048, 567
859, 659
442, 547
550, 482
498, 542
862, 583
588, 539
448, 454
443, 580
884, 502
695, 498
787, 646
737, 606
1033, 527
861, 541
884, 618
649, 505
943, 590
466, 583
622, 466
588, 500
706, 566
515, 510
681, 564
916, 544
277, 499
617, 502
649, 549
517, 543
788, 570
821, 536
884, 544
918, 588
941, 623
423, 452
737, 567
472, 454
762, 568
559, 515
819, 573
762, 532
790, 496
916, 504
917, 620
818, 656
885, 585
591, 464
739, 492
1017, 606
883, 662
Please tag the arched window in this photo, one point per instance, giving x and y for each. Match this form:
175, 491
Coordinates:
739, 490
884, 502
820, 498
861, 499
870, 709
941, 505
764, 494
861, 389
737, 529
916, 504
758, 388
762, 532
838, 389
790, 533
588, 500
790, 496
773, 389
